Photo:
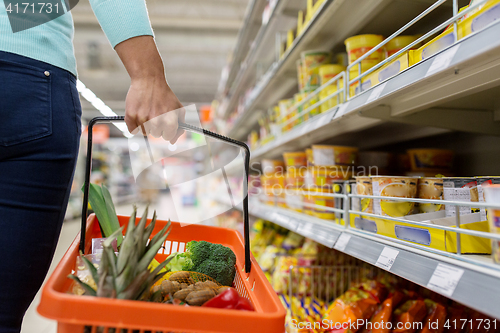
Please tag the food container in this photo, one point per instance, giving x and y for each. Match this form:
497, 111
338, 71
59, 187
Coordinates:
310, 157
397, 43
295, 177
315, 196
332, 101
334, 155
389, 186
492, 195
358, 45
277, 180
294, 199
295, 159
325, 176
311, 61
364, 187
300, 74
430, 188
460, 189
270, 167
431, 160
329, 71
481, 183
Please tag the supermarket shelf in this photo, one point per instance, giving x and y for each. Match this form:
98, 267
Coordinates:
251, 24
461, 95
262, 49
410, 263
332, 24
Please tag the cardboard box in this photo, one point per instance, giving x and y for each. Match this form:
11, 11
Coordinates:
434, 238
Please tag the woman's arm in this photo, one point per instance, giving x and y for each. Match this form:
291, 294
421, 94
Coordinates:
149, 95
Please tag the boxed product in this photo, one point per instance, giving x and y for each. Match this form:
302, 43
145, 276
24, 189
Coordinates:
385, 72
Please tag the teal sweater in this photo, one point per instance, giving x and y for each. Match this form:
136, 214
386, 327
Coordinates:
52, 42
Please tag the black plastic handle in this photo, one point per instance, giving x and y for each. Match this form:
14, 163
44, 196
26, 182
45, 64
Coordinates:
88, 167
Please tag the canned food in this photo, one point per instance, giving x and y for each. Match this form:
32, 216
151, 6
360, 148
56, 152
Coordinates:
485, 181
432, 189
364, 187
492, 196
460, 189
388, 186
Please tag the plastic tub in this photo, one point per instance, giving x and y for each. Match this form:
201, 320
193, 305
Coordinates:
270, 167
492, 195
397, 43
334, 155
430, 159
315, 197
460, 189
364, 187
358, 45
311, 61
430, 188
325, 176
295, 176
394, 186
329, 71
295, 159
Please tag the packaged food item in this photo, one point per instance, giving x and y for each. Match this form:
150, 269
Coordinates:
310, 157
295, 159
329, 71
355, 88
460, 189
485, 181
432, 160
383, 315
436, 317
389, 186
325, 176
334, 155
440, 42
298, 98
326, 73
311, 61
432, 189
357, 303
316, 197
397, 43
270, 167
492, 195
295, 177
359, 45
410, 312
271, 181
364, 187
275, 196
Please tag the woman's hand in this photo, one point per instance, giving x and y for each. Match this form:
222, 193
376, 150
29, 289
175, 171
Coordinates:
151, 106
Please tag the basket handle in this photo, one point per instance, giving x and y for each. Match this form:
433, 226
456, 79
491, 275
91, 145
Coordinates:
88, 167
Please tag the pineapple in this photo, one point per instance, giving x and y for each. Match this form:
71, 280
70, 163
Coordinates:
126, 275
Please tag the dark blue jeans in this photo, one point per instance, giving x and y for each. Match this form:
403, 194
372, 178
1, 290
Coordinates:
40, 131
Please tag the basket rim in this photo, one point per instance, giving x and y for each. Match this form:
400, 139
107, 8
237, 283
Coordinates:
54, 303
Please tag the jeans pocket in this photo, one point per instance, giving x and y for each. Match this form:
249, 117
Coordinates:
25, 103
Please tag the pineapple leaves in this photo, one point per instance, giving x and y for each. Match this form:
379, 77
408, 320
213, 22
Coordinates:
110, 208
90, 266
88, 289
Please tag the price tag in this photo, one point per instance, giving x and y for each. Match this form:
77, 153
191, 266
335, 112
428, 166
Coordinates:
387, 258
442, 60
377, 91
445, 279
342, 241
341, 110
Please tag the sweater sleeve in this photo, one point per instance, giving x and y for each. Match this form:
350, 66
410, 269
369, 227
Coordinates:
122, 19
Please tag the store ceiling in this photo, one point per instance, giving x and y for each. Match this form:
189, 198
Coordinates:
195, 39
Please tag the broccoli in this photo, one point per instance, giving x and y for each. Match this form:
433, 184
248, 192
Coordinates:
214, 260
218, 270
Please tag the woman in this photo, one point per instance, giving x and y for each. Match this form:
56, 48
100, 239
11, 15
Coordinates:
40, 130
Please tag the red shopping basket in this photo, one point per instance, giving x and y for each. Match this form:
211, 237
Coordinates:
87, 314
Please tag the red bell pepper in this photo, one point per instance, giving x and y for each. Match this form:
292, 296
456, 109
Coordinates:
229, 299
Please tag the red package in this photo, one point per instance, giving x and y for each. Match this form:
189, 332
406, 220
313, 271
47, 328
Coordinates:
381, 319
436, 317
407, 315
